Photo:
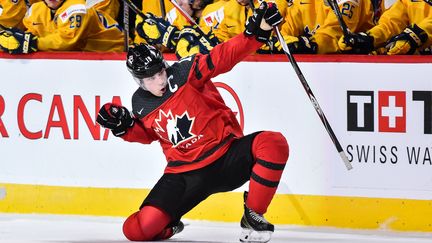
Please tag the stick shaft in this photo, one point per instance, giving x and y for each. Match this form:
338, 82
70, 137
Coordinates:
186, 15
335, 7
2, 28
135, 8
126, 27
162, 8
191, 21
310, 95
313, 100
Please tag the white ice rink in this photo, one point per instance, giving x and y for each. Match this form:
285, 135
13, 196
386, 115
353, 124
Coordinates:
18, 228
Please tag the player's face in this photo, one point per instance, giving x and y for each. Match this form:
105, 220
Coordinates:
184, 4
157, 83
197, 4
243, 2
53, 4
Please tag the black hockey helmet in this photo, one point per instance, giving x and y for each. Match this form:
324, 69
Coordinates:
144, 61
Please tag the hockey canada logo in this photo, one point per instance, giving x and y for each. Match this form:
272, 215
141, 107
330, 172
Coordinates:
174, 128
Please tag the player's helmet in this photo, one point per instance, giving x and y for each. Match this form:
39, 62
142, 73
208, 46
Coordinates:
144, 61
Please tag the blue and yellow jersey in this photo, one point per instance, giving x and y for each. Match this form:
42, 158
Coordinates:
109, 7
235, 16
399, 16
359, 16
12, 12
73, 27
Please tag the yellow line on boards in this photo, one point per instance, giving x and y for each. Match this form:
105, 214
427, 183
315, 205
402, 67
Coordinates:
308, 210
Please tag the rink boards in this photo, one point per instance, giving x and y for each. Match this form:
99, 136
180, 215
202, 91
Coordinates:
55, 159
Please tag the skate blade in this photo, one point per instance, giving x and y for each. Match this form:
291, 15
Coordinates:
248, 235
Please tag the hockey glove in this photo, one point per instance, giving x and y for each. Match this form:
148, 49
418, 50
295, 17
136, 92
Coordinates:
156, 30
271, 47
116, 118
356, 43
407, 42
303, 45
254, 27
16, 41
260, 24
426, 51
272, 16
192, 42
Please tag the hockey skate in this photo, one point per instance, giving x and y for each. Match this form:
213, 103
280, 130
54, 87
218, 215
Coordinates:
170, 230
255, 228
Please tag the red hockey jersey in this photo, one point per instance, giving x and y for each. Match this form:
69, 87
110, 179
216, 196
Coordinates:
191, 121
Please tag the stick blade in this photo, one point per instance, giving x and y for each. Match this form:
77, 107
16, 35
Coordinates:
345, 160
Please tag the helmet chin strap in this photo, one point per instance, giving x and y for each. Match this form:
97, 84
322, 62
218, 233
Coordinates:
140, 83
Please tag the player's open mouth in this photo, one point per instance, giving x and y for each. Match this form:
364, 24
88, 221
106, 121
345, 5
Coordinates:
163, 90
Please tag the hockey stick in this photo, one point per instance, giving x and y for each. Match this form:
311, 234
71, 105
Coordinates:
311, 95
187, 16
135, 9
2, 28
335, 7
126, 27
180, 9
162, 8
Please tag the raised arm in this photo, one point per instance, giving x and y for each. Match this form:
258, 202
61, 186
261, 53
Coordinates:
225, 56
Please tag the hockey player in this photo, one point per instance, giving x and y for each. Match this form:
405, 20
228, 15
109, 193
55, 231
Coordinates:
190, 40
176, 34
212, 15
154, 7
206, 151
108, 7
310, 26
357, 15
156, 30
235, 14
405, 28
12, 12
63, 25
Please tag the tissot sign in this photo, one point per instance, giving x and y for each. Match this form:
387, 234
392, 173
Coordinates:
386, 111
391, 108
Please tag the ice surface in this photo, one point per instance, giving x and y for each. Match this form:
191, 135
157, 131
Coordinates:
36, 228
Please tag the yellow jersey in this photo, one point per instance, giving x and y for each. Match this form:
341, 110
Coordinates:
109, 7
12, 12
73, 27
154, 7
212, 16
399, 16
304, 17
359, 16
235, 16
173, 16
